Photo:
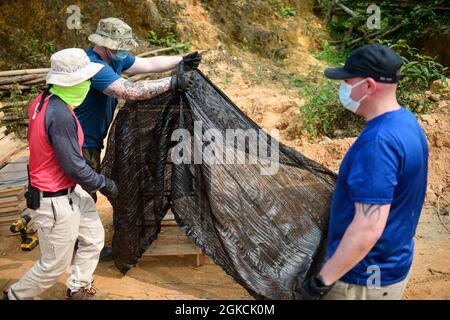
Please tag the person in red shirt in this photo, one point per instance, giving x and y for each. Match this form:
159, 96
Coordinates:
58, 173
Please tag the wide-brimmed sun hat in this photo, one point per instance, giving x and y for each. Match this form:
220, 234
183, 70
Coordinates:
113, 34
70, 67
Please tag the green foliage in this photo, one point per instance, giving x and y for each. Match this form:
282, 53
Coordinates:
168, 38
281, 9
330, 55
39, 53
322, 113
287, 12
18, 112
416, 21
423, 19
419, 72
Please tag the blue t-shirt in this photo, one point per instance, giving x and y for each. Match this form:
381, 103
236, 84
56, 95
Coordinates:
387, 164
96, 112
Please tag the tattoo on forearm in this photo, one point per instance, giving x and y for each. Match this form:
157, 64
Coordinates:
140, 90
369, 210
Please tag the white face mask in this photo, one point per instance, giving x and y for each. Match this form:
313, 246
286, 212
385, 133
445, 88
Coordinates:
345, 96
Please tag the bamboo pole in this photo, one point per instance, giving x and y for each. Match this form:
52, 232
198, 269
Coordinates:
20, 79
22, 72
6, 105
158, 51
330, 12
376, 34
12, 86
346, 9
36, 81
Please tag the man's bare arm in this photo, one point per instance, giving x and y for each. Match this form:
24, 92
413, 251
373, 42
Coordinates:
153, 64
359, 238
140, 90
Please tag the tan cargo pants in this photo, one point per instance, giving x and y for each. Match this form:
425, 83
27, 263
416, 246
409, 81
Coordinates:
59, 225
348, 291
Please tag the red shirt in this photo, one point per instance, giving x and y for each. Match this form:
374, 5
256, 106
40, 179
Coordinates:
45, 172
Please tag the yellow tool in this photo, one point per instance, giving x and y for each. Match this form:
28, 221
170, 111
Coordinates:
20, 225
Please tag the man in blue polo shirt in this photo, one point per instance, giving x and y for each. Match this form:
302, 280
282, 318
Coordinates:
112, 41
380, 188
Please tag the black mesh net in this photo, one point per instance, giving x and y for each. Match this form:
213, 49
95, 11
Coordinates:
266, 230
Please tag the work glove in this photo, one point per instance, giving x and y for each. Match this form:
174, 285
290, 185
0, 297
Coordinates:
191, 61
312, 288
110, 189
182, 80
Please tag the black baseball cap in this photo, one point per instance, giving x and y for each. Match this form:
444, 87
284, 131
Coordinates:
373, 60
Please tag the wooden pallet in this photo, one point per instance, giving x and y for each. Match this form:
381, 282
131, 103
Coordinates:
9, 145
173, 242
13, 181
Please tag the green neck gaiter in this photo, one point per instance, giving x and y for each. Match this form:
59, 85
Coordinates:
73, 95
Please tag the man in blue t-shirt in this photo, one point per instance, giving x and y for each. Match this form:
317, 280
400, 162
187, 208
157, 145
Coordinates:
112, 41
380, 188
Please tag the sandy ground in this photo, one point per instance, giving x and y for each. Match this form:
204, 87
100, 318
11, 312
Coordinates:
154, 278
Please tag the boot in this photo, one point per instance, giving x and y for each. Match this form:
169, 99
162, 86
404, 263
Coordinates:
82, 294
106, 254
5, 294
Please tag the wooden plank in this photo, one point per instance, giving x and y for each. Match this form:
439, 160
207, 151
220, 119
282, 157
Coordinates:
9, 146
172, 241
200, 259
169, 219
18, 208
169, 223
14, 203
8, 216
15, 197
6, 192
172, 250
172, 235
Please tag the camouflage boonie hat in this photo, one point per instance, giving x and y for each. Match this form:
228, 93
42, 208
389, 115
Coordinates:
113, 34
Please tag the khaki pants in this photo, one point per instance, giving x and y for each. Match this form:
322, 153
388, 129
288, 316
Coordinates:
348, 291
59, 225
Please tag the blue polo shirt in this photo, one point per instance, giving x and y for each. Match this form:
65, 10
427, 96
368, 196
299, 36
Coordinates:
96, 112
387, 164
